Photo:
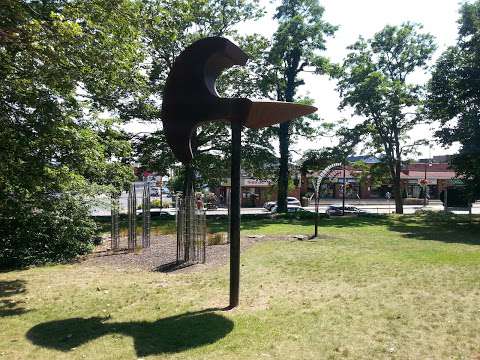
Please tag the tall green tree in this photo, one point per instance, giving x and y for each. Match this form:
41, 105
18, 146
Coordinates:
374, 81
61, 64
296, 47
454, 97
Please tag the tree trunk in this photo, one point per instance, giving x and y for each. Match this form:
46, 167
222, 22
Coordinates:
284, 139
397, 191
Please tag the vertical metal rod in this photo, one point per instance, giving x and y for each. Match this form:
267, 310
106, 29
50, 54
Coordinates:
235, 215
178, 222
146, 215
132, 218
204, 237
115, 236
343, 192
112, 218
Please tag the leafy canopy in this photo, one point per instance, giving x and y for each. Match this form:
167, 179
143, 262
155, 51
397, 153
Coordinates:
454, 97
374, 81
296, 47
62, 63
174, 25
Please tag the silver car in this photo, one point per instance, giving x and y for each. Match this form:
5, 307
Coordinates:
290, 201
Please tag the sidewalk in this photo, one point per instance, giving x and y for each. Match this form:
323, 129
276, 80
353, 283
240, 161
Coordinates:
367, 202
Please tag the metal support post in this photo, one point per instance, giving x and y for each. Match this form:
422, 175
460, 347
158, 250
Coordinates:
235, 215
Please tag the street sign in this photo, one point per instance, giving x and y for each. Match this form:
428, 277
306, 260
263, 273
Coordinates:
456, 182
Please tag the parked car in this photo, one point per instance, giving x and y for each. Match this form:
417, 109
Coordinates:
269, 205
163, 214
290, 201
293, 201
290, 208
336, 210
154, 191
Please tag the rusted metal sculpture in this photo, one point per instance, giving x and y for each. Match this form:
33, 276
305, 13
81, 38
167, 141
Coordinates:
190, 99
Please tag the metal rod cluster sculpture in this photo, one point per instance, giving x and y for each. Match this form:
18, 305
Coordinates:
191, 230
132, 219
190, 99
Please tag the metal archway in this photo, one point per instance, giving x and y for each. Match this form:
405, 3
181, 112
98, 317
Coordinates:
318, 183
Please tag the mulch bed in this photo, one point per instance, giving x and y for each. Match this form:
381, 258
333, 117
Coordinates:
161, 255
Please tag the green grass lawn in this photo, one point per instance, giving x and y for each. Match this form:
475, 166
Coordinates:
370, 288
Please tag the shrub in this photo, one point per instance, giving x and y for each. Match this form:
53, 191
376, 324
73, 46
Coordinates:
55, 229
155, 203
218, 238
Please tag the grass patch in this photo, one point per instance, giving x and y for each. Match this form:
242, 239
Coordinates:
390, 287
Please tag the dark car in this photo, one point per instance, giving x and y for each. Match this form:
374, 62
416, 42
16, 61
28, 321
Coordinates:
163, 214
336, 210
290, 209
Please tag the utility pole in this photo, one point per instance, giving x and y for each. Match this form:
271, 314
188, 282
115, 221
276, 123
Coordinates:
425, 187
425, 190
161, 193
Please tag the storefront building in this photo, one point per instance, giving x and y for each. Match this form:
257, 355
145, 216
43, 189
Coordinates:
413, 177
254, 192
437, 176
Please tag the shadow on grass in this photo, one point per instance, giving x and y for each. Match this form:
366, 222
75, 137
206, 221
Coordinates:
447, 228
8, 306
169, 335
173, 266
356, 221
435, 226
338, 222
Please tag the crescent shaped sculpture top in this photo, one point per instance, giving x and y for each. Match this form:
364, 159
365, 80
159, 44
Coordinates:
190, 97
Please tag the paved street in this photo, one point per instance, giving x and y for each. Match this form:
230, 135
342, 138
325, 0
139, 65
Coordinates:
103, 208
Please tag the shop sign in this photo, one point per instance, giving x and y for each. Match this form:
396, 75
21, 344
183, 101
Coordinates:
256, 183
349, 181
456, 182
248, 183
